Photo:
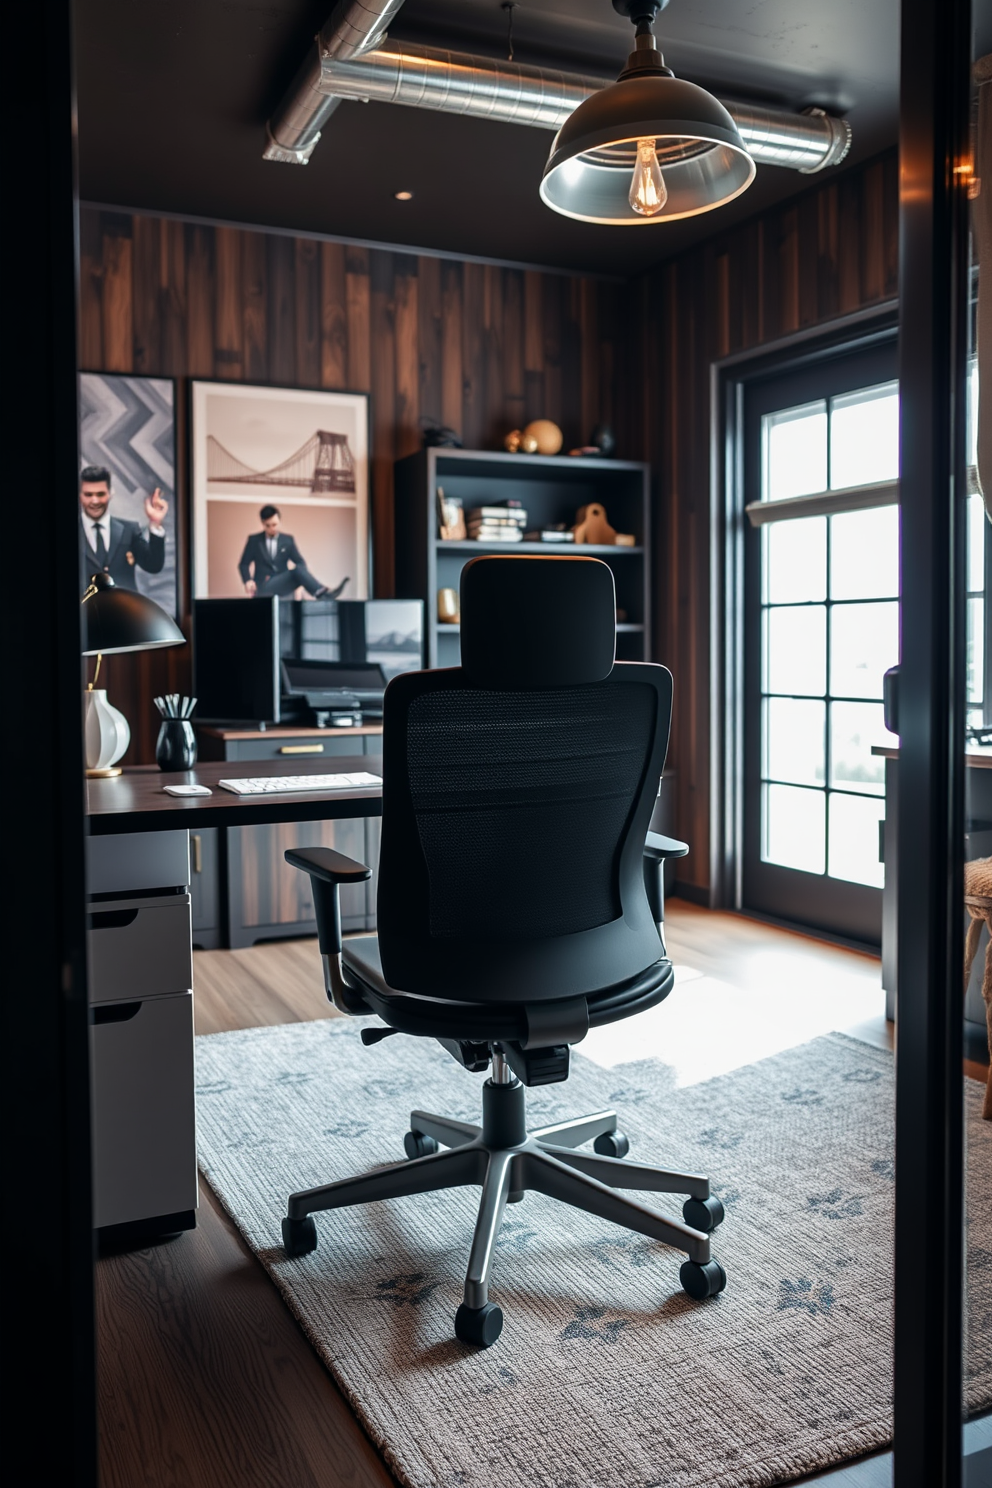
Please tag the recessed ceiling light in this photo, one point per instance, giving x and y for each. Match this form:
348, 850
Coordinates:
403, 195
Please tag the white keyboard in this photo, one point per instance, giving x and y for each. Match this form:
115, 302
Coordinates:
273, 785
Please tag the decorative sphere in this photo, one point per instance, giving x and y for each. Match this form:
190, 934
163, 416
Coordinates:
528, 443
602, 438
512, 441
547, 436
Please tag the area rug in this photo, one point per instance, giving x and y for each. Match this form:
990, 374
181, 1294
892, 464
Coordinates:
606, 1375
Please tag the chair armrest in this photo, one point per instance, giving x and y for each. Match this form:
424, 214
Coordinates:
657, 848
328, 870
328, 866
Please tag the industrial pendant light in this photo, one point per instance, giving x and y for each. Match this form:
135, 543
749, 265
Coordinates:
650, 148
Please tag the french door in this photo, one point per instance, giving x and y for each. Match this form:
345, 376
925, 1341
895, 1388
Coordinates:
821, 627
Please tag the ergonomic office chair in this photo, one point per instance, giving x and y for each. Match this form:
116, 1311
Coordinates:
519, 903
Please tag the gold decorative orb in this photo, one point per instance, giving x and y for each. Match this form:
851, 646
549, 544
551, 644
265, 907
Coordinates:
528, 443
547, 436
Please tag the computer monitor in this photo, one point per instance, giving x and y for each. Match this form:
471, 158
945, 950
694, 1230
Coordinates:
240, 647
236, 660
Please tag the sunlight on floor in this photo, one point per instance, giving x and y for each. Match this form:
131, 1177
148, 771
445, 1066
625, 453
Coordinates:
706, 1026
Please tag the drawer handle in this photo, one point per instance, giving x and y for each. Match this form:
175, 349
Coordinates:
196, 844
301, 749
112, 919
118, 1012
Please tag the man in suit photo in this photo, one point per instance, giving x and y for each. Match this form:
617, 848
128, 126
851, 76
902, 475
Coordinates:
113, 545
265, 563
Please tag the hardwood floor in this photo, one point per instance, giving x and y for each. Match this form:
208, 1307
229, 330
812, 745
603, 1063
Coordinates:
205, 1380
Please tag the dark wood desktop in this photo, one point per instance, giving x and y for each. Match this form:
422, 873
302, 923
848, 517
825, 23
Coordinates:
137, 802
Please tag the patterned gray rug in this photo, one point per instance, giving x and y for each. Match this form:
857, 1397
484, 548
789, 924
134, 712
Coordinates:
606, 1375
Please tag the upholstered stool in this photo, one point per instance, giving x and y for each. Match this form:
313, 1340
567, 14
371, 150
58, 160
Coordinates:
978, 902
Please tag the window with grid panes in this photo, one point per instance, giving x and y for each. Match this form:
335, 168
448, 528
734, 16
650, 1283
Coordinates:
826, 609
830, 628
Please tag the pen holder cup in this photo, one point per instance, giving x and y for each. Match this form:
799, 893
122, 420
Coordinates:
175, 748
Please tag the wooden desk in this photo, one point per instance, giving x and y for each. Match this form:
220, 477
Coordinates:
241, 887
145, 1161
137, 802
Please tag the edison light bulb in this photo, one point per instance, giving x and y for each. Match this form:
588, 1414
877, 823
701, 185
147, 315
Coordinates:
648, 192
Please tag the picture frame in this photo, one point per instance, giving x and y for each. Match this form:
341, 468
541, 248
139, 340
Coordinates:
303, 452
127, 432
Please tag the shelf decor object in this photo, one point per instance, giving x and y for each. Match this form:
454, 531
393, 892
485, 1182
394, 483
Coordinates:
591, 525
450, 516
650, 148
115, 620
547, 434
546, 491
448, 611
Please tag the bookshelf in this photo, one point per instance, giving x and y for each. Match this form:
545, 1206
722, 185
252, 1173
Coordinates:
551, 488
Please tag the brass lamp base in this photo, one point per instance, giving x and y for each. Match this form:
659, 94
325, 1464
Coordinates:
107, 774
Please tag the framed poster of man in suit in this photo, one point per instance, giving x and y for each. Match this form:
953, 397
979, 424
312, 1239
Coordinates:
280, 492
126, 496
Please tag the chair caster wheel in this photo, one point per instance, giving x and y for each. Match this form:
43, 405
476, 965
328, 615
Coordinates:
611, 1144
703, 1214
702, 1281
299, 1236
416, 1144
480, 1325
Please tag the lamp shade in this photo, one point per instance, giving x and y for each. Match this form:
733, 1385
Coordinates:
116, 619
695, 142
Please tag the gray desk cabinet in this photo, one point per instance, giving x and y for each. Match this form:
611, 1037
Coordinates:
141, 1033
245, 892
204, 888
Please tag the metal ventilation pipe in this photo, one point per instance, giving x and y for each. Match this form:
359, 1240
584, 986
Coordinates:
806, 142
353, 27
514, 93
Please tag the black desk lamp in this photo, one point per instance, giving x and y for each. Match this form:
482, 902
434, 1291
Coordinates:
116, 620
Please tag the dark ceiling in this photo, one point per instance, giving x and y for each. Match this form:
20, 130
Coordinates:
174, 94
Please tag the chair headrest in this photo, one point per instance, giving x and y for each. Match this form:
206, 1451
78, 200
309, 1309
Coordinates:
535, 622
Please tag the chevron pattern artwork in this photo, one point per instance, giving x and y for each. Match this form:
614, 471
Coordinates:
127, 425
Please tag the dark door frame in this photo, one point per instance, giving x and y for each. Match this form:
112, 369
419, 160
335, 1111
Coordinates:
46, 1063
729, 378
936, 58
50, 1326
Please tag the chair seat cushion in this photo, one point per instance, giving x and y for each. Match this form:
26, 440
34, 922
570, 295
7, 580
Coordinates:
360, 955
438, 1017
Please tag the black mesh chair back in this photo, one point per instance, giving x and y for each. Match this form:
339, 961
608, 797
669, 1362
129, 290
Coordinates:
517, 792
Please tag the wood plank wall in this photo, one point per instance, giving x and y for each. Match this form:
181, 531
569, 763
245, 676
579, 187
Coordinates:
829, 252
478, 347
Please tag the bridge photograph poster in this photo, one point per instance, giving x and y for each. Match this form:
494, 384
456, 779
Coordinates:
280, 492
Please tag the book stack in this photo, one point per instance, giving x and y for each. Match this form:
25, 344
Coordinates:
503, 522
559, 534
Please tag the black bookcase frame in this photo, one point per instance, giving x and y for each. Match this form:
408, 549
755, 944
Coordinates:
552, 488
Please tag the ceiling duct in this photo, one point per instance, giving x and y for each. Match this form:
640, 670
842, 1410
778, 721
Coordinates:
506, 92
353, 27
